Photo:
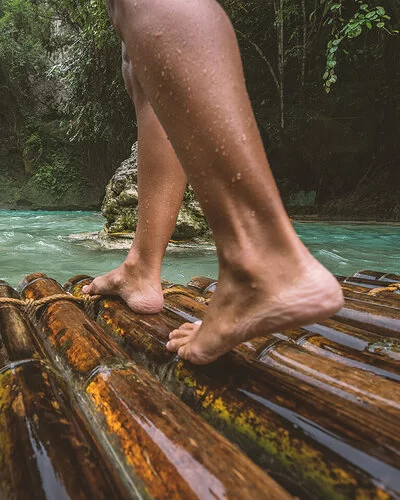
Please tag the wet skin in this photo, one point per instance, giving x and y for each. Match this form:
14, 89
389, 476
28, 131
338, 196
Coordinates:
183, 69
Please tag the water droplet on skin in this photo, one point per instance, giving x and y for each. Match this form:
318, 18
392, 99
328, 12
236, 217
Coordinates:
243, 138
204, 71
253, 213
162, 73
187, 111
178, 51
216, 150
238, 176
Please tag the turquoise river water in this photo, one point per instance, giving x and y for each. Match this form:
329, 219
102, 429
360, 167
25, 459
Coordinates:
39, 242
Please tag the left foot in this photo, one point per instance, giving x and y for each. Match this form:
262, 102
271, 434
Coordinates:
262, 303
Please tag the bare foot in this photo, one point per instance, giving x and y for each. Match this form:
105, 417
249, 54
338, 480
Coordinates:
140, 291
255, 305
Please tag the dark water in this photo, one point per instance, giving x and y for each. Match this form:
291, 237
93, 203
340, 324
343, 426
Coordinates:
39, 242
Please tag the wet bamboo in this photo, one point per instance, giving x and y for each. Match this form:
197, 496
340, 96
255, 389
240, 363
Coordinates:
72, 338
242, 398
356, 381
375, 318
377, 275
374, 360
387, 298
351, 381
46, 451
17, 334
162, 448
174, 452
203, 285
375, 347
363, 282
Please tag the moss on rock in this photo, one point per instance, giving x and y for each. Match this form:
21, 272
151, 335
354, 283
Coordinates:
120, 205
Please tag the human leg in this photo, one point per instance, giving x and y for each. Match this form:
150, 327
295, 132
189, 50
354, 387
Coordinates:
185, 55
161, 184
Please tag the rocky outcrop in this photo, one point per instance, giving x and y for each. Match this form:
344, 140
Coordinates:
120, 205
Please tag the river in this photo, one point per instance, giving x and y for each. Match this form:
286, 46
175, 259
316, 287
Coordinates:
40, 242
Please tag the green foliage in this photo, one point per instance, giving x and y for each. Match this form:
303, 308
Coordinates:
95, 100
365, 18
59, 176
33, 151
25, 31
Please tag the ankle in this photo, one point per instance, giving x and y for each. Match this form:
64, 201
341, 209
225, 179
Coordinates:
138, 267
252, 259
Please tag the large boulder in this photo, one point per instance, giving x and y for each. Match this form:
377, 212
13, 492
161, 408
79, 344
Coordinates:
120, 205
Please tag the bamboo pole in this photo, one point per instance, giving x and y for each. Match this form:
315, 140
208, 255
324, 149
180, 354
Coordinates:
162, 449
377, 275
271, 412
350, 343
388, 298
17, 335
375, 318
335, 375
46, 450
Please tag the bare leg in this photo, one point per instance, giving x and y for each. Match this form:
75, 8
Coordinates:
185, 55
161, 184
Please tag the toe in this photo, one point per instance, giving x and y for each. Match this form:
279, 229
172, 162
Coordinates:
183, 330
89, 289
177, 334
175, 344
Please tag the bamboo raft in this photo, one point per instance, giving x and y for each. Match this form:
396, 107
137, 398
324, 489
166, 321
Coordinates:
93, 406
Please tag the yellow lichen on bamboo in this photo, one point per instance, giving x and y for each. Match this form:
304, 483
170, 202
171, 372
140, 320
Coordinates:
276, 441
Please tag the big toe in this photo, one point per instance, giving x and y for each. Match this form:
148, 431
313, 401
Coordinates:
99, 285
88, 289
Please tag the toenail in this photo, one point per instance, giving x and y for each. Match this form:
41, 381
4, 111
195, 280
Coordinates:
198, 322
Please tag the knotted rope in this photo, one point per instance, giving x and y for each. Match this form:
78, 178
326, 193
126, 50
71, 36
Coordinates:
186, 293
30, 306
393, 287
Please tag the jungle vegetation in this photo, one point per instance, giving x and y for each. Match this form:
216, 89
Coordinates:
323, 77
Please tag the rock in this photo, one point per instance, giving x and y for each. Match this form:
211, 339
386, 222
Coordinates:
120, 205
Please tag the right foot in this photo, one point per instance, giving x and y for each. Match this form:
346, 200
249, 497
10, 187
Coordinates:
242, 309
142, 293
